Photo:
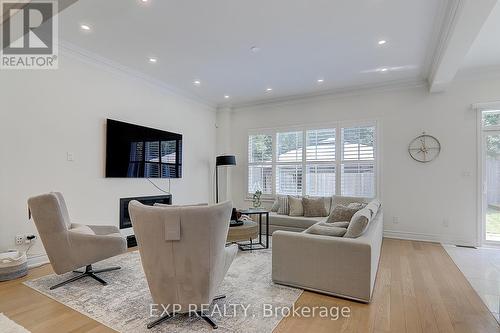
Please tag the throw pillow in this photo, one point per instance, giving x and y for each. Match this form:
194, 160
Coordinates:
344, 224
283, 205
356, 205
296, 208
322, 229
314, 207
341, 213
275, 206
359, 223
345, 201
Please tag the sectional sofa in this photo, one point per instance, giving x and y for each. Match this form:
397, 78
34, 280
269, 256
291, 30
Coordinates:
339, 266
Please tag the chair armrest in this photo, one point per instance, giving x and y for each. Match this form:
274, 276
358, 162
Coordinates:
87, 249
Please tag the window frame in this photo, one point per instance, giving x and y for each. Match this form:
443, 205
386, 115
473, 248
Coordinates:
338, 153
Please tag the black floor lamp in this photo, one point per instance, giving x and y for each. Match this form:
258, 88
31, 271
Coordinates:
222, 160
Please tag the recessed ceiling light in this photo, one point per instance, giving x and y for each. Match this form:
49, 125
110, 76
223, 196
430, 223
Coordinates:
269, 89
384, 69
197, 83
382, 42
153, 60
255, 49
320, 80
226, 96
144, 1
85, 27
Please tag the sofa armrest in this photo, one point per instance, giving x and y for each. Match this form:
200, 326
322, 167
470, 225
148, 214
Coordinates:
333, 265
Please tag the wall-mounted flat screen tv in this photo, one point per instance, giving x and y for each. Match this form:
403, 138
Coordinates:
134, 151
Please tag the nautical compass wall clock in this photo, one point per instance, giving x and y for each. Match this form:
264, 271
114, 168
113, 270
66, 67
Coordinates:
424, 148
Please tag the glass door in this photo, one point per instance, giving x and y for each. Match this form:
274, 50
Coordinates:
491, 186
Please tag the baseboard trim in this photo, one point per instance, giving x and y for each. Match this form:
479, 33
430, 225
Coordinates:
37, 260
427, 237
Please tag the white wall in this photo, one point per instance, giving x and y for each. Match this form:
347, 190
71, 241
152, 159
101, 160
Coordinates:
421, 196
45, 114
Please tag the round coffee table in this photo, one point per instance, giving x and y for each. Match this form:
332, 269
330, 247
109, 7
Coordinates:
246, 232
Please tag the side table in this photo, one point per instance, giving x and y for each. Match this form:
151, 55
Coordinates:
260, 245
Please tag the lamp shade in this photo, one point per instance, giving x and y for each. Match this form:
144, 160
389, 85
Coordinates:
225, 160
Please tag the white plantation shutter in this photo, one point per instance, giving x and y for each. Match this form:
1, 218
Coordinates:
260, 169
320, 162
260, 177
289, 147
316, 162
289, 179
357, 143
320, 145
358, 180
320, 179
358, 161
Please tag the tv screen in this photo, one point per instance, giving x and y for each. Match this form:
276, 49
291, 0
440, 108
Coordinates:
134, 151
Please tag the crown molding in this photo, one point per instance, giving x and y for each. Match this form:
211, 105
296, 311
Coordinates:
78, 53
337, 93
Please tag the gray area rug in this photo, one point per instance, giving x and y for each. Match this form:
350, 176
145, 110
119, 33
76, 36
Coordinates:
124, 304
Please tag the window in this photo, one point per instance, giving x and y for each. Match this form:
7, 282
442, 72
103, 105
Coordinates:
260, 156
313, 161
491, 118
320, 162
358, 162
289, 163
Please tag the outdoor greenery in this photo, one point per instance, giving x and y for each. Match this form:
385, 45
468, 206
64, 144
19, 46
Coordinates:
492, 141
361, 135
262, 149
493, 221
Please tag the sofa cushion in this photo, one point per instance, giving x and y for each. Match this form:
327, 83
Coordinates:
326, 230
359, 223
283, 209
345, 201
314, 207
295, 206
341, 213
275, 206
299, 222
343, 224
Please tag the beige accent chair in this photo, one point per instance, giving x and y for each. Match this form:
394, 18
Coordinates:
183, 254
69, 245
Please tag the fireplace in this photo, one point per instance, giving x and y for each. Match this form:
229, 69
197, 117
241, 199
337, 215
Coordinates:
124, 215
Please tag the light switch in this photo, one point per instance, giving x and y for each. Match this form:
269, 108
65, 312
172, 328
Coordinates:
70, 157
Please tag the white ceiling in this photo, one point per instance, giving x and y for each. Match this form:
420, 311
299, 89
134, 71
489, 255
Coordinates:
299, 40
485, 51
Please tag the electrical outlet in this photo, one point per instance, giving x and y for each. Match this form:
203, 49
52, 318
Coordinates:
395, 219
70, 157
446, 223
19, 239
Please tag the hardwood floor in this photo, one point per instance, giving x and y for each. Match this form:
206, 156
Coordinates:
418, 289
